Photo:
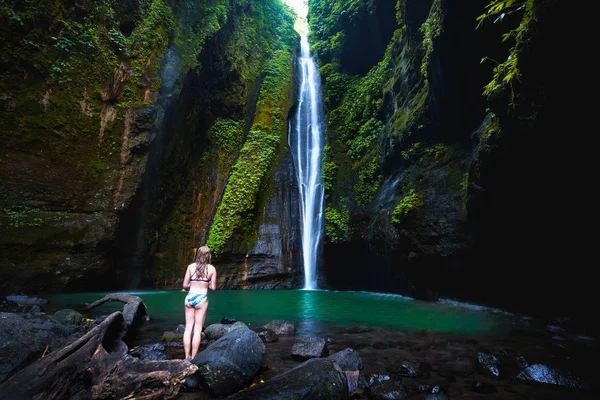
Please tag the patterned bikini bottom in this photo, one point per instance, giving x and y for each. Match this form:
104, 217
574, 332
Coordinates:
193, 299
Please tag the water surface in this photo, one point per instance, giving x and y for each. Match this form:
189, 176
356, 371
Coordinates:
311, 310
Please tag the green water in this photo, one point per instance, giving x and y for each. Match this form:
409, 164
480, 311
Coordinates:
311, 310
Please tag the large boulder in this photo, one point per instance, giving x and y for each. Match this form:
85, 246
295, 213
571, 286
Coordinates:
317, 378
230, 362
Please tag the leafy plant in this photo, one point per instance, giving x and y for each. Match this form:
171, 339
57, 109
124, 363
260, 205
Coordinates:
508, 71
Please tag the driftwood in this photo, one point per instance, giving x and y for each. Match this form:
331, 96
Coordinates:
97, 366
134, 306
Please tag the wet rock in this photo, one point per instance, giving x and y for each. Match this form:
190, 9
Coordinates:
488, 362
312, 347
317, 378
348, 360
266, 335
406, 369
228, 320
230, 362
281, 327
545, 374
374, 379
25, 337
388, 389
191, 384
216, 331
26, 300
150, 352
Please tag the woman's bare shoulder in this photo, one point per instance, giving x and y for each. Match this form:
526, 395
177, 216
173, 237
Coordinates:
212, 268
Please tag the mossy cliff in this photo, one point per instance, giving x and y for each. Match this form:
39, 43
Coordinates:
435, 110
92, 96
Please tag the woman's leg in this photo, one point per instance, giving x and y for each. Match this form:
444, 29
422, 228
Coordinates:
199, 318
187, 334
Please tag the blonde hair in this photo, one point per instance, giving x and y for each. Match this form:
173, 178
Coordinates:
203, 259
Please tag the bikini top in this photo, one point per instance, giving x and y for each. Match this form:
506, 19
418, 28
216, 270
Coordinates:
198, 279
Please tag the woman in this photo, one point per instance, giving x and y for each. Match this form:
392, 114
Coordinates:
199, 277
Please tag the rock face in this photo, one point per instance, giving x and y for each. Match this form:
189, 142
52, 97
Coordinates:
104, 172
437, 181
275, 260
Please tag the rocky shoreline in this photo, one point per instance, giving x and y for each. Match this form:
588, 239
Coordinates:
272, 361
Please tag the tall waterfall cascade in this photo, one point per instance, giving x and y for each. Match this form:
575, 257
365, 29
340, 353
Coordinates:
306, 141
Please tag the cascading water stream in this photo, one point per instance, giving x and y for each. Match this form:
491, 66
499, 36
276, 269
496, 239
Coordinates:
306, 142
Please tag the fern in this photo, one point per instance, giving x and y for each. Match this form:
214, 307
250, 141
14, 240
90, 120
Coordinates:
508, 71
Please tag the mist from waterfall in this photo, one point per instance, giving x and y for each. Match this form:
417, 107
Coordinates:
307, 141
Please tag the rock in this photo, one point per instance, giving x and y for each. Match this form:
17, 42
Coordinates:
348, 360
488, 362
216, 331
24, 339
317, 378
377, 378
227, 321
68, 316
312, 347
281, 327
191, 384
171, 336
230, 362
150, 352
26, 300
388, 389
267, 335
545, 374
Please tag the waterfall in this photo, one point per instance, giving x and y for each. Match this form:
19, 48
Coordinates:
306, 142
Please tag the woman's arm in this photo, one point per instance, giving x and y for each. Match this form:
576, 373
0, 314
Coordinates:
186, 279
213, 280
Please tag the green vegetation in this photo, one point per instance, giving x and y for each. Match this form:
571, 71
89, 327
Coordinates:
240, 204
336, 224
241, 193
508, 71
431, 29
409, 207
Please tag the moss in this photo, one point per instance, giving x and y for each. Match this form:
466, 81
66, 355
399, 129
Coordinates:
245, 193
409, 207
431, 29
336, 224
243, 188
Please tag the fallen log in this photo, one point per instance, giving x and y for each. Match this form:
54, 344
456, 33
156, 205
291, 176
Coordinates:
134, 306
97, 366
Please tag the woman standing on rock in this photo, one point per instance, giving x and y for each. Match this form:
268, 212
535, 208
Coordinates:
199, 277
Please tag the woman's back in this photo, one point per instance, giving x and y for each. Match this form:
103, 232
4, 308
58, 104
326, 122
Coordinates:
199, 282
